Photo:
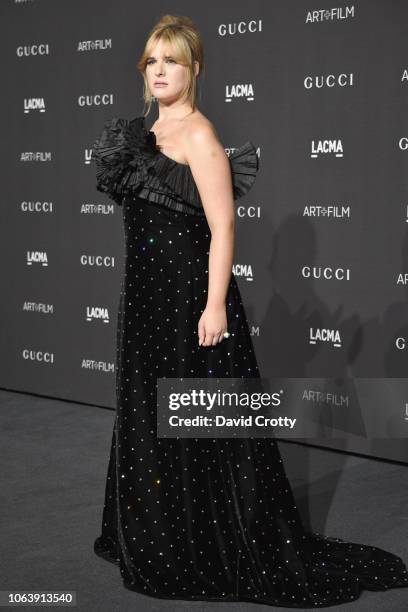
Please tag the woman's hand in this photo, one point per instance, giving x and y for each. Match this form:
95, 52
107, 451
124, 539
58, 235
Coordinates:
212, 325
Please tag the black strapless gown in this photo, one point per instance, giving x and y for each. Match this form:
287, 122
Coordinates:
199, 519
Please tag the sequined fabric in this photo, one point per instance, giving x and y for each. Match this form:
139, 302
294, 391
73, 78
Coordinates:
204, 519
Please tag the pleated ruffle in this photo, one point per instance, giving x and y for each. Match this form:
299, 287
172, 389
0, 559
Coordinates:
128, 162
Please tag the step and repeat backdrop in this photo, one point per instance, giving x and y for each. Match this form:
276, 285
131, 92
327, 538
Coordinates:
322, 238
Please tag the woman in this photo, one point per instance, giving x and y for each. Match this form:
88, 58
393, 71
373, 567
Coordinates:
198, 519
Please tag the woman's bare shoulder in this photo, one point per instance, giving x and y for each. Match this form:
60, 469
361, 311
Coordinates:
199, 129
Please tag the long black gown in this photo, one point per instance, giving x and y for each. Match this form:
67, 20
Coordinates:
199, 519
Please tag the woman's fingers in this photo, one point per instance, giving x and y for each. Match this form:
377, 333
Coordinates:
210, 338
217, 338
201, 333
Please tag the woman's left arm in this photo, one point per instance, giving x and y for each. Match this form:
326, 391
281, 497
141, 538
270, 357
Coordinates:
211, 171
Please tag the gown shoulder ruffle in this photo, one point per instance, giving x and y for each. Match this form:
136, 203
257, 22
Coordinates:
128, 162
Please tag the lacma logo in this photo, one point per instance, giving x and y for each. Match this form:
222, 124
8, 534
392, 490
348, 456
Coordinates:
240, 90
322, 335
34, 104
37, 257
326, 147
244, 270
97, 313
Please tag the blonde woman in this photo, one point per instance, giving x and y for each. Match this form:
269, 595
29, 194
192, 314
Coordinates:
198, 519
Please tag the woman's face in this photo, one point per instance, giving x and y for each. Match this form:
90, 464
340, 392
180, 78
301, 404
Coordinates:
166, 78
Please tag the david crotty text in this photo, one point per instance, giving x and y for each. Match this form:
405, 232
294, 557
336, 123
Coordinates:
222, 421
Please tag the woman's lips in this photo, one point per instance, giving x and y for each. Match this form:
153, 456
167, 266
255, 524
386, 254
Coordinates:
160, 84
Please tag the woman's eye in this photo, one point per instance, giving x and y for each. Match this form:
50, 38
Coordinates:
169, 59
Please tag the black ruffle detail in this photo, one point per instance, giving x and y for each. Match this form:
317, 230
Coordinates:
244, 165
170, 201
128, 162
123, 157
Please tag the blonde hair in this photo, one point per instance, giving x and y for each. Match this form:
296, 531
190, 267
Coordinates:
185, 41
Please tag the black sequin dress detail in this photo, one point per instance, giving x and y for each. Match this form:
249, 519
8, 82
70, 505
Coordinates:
199, 519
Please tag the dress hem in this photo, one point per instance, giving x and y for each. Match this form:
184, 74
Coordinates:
236, 599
